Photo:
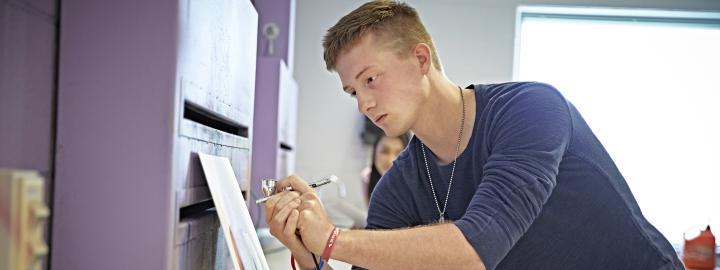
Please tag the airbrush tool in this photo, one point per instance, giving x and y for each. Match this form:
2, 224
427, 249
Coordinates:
268, 186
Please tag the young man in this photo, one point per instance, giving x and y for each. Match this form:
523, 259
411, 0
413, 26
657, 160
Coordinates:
501, 176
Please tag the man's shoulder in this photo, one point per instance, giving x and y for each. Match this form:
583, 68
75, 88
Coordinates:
510, 88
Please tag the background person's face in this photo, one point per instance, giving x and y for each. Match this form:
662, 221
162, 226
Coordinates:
386, 151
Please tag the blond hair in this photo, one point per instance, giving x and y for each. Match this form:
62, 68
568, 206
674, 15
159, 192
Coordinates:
393, 21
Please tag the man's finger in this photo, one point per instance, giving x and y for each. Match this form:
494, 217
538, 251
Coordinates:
294, 181
286, 198
291, 224
300, 222
278, 202
309, 197
283, 214
306, 205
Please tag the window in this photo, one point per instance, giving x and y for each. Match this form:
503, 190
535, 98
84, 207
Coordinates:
648, 84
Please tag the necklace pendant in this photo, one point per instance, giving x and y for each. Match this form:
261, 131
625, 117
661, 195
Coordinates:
442, 219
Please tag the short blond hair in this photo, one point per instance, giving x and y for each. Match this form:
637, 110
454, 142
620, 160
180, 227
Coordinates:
391, 20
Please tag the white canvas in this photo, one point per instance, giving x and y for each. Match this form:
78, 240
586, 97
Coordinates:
235, 219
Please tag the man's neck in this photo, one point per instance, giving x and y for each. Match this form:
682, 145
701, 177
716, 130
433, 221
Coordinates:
438, 125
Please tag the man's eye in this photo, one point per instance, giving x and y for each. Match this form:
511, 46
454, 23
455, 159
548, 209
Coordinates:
352, 94
371, 79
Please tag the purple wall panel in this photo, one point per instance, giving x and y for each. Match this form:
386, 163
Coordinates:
122, 71
281, 12
47, 7
265, 136
27, 66
27, 87
265, 123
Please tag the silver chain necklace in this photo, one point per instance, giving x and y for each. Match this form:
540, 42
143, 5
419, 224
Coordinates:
452, 173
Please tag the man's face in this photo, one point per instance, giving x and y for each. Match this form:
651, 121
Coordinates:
388, 88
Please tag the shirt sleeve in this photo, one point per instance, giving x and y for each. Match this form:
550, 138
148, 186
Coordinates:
529, 130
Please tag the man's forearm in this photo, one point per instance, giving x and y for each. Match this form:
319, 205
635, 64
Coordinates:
425, 247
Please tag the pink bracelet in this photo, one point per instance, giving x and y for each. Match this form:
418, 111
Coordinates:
330, 244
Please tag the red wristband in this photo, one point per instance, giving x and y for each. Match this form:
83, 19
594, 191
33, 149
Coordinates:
292, 261
330, 244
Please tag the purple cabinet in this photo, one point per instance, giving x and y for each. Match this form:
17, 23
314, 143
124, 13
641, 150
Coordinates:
275, 126
27, 85
276, 98
144, 86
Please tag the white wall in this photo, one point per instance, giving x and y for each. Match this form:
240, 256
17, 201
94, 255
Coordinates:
474, 38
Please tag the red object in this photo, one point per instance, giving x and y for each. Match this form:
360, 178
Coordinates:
292, 261
330, 244
699, 252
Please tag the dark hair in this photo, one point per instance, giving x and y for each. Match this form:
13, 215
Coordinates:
374, 173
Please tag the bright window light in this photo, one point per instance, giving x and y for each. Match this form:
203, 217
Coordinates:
649, 87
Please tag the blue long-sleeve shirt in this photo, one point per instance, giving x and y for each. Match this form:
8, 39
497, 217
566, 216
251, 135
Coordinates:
534, 189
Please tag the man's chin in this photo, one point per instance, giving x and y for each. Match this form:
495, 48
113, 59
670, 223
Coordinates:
392, 133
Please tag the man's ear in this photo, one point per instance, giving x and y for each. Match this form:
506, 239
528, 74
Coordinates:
423, 55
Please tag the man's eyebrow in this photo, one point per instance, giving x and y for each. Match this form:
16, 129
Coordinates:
361, 72
346, 88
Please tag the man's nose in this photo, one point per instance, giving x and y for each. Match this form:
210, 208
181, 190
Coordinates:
365, 102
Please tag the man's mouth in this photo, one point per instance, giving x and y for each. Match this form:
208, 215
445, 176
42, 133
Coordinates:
380, 118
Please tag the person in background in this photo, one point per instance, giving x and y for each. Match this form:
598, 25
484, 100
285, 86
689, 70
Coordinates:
385, 151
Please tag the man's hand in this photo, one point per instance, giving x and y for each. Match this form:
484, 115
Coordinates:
279, 210
282, 217
314, 225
